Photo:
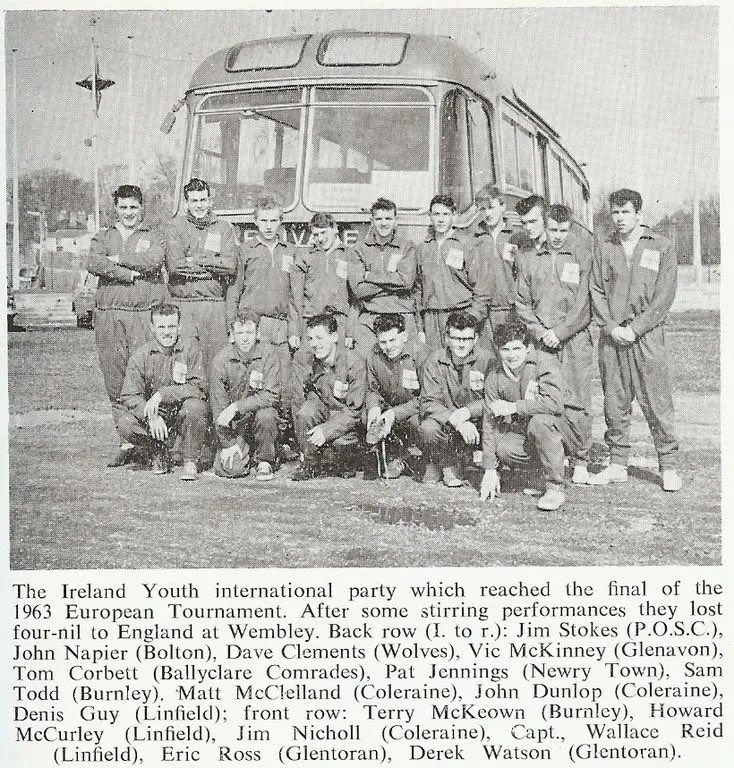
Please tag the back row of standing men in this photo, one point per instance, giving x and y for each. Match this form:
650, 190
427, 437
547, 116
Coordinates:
489, 275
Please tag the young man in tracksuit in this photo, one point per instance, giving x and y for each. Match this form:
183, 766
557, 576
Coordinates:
496, 245
451, 399
201, 263
393, 369
262, 285
633, 283
128, 259
164, 393
451, 274
553, 301
244, 389
382, 271
326, 423
318, 284
523, 415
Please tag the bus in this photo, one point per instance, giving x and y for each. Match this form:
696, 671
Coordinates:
330, 122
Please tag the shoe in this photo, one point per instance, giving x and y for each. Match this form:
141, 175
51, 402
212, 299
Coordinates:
395, 468
305, 471
534, 492
160, 464
552, 499
672, 481
430, 474
347, 471
264, 471
451, 478
287, 453
580, 474
190, 471
614, 473
124, 456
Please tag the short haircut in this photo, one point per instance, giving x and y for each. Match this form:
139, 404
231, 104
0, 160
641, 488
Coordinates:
560, 213
512, 331
383, 204
445, 200
126, 192
268, 203
164, 309
196, 185
328, 321
623, 196
387, 322
526, 204
246, 316
322, 221
489, 192
461, 321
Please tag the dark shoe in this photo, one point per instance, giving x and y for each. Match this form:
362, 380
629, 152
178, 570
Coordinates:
305, 471
395, 468
370, 466
288, 453
347, 471
160, 464
123, 457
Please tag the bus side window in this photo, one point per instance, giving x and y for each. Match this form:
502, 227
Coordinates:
454, 174
482, 151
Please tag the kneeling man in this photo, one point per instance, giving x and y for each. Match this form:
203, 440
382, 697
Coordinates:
523, 415
243, 391
451, 399
334, 396
393, 389
164, 392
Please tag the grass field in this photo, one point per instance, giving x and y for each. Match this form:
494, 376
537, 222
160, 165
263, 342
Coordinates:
67, 510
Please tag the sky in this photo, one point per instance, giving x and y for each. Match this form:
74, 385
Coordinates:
619, 84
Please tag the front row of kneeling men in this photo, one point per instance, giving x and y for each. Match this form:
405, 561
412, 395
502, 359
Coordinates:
505, 378
449, 409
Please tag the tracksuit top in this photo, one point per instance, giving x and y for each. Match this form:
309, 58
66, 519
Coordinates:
553, 293
452, 276
177, 373
340, 389
382, 277
395, 383
536, 388
114, 260
201, 258
639, 295
499, 258
262, 284
448, 385
317, 279
252, 381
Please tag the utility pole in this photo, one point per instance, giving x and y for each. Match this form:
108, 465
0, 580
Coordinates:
697, 262
132, 173
15, 267
94, 132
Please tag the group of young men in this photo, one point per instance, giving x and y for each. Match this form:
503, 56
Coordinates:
469, 350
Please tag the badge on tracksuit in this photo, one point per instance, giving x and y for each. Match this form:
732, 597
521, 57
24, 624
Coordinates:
213, 242
393, 261
179, 371
256, 379
476, 381
650, 260
571, 273
508, 252
531, 390
455, 258
286, 263
142, 246
410, 379
340, 389
341, 269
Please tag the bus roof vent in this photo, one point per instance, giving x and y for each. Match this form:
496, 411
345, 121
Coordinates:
273, 53
362, 49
